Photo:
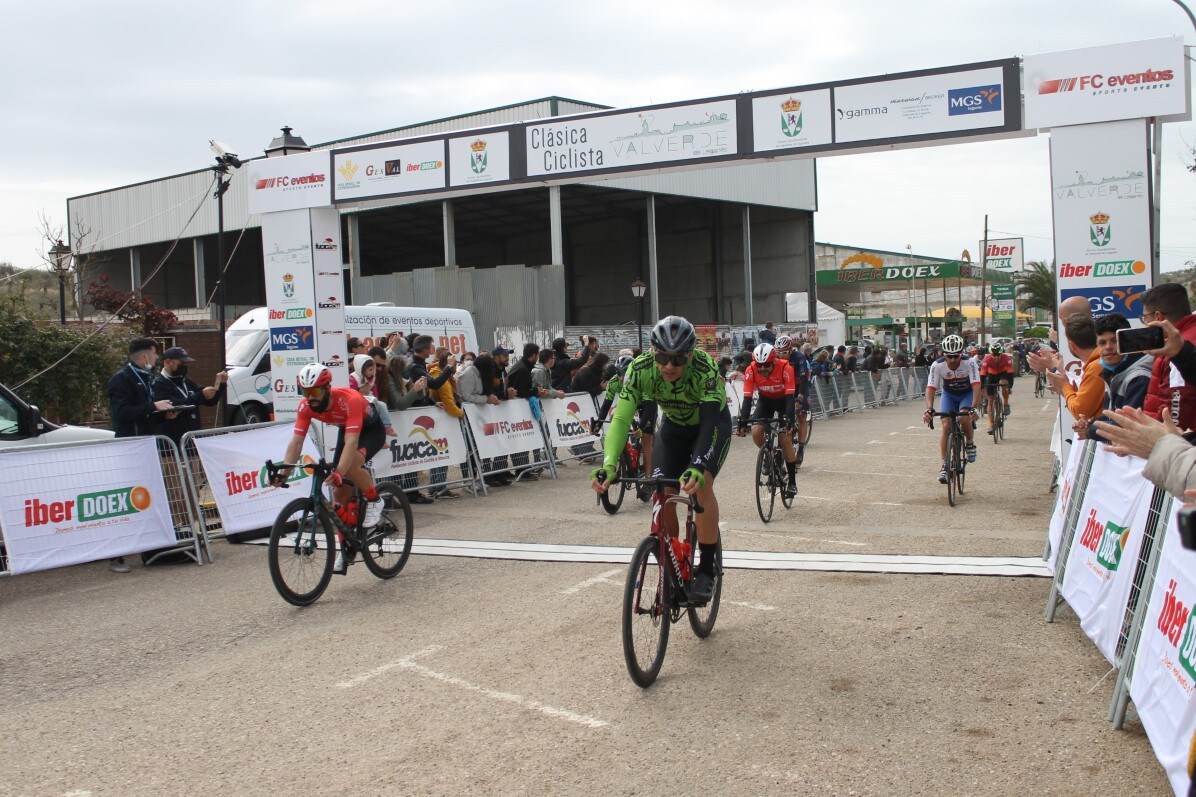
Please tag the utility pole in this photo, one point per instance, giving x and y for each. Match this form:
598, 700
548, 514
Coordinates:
983, 279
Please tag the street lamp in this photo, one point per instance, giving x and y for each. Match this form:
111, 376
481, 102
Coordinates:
224, 161
60, 256
637, 290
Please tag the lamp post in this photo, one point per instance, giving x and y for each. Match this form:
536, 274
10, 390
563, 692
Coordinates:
224, 161
637, 290
909, 298
60, 256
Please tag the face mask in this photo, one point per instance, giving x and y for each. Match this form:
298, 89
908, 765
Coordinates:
181, 370
1106, 366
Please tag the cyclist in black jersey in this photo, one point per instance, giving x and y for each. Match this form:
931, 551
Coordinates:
695, 434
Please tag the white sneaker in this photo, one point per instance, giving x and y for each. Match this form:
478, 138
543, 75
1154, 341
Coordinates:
373, 513
339, 565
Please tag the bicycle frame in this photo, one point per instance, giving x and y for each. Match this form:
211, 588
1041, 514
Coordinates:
320, 471
682, 567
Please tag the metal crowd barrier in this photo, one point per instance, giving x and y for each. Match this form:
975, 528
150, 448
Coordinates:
1070, 522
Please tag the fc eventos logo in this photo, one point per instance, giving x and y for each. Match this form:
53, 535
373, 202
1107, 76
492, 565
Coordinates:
977, 99
88, 507
1124, 299
291, 338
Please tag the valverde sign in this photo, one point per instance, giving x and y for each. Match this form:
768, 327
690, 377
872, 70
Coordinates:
882, 273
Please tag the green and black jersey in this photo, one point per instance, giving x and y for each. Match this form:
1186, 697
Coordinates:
682, 401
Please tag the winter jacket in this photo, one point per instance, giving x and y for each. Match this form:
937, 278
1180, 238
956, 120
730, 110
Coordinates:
1172, 465
444, 394
181, 390
541, 378
587, 381
1181, 400
519, 376
563, 368
131, 403
1125, 386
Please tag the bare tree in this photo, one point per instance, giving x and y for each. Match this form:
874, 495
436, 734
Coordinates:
85, 261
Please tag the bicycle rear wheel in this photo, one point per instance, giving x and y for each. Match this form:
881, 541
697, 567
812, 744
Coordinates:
388, 545
612, 499
647, 601
766, 488
701, 618
809, 427
998, 411
952, 465
301, 565
782, 472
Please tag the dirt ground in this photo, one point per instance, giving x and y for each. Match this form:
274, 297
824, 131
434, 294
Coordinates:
467, 676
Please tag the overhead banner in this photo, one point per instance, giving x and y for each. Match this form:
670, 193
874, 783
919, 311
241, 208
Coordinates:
291, 183
945, 102
480, 159
1104, 550
425, 438
663, 134
235, 465
1004, 254
366, 173
570, 419
1101, 217
874, 270
1165, 666
66, 506
503, 429
791, 120
1135, 80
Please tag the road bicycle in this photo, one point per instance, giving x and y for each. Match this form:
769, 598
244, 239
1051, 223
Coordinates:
630, 463
309, 532
957, 460
809, 413
771, 473
996, 411
659, 581
1039, 385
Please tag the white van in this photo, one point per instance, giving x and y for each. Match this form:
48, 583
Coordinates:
22, 425
247, 347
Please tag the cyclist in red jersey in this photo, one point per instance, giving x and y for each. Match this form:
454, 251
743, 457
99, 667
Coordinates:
773, 379
361, 436
996, 368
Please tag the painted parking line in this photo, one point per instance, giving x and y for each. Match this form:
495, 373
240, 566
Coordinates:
409, 664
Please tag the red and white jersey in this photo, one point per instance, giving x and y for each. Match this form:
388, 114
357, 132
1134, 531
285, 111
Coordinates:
347, 409
775, 385
958, 380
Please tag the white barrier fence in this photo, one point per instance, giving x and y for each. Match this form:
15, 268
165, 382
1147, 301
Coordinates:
1118, 562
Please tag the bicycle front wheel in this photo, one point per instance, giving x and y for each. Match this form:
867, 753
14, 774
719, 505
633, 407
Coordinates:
302, 547
647, 601
766, 488
997, 420
612, 499
809, 428
387, 546
701, 618
961, 465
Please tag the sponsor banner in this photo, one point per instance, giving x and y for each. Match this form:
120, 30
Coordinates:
871, 268
384, 171
632, 139
1134, 80
1067, 483
71, 505
291, 299
1165, 666
791, 120
918, 106
1104, 550
235, 465
1004, 254
373, 324
570, 419
502, 429
329, 292
1101, 218
476, 160
293, 182
425, 438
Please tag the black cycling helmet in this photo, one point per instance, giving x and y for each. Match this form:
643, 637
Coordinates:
674, 335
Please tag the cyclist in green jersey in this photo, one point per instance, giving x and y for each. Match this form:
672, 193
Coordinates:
695, 434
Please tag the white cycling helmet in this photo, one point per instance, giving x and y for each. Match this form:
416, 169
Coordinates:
953, 344
764, 353
784, 345
314, 375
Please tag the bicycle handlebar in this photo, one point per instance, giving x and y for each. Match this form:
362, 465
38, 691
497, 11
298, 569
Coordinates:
320, 470
954, 414
657, 481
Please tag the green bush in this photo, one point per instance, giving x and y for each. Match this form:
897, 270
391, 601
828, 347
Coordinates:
1037, 332
75, 387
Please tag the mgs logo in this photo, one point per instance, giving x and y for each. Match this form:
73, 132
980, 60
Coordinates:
291, 338
1099, 230
791, 117
478, 158
978, 99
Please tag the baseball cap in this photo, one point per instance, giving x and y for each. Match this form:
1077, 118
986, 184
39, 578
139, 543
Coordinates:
497, 350
178, 353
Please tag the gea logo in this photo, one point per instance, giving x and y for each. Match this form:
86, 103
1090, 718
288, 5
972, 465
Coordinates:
88, 507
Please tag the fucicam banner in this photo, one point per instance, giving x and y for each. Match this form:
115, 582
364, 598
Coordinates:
570, 419
65, 506
1104, 550
425, 438
503, 429
1165, 667
235, 465
1067, 484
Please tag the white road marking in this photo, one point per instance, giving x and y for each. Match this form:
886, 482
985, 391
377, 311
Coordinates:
907, 434
77, 793
794, 539
864, 473
408, 663
589, 582
1046, 407
847, 500
898, 456
757, 606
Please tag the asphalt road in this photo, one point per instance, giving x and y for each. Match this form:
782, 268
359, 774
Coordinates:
468, 676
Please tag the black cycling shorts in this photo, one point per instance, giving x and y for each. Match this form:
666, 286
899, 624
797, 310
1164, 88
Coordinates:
993, 381
765, 408
369, 443
674, 451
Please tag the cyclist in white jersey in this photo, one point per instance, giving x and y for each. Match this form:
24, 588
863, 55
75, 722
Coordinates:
958, 379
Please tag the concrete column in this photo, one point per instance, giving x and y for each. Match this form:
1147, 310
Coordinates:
747, 265
556, 229
135, 270
201, 281
653, 281
450, 232
811, 273
354, 254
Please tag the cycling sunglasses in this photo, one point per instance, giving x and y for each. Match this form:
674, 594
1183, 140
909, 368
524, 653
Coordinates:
313, 392
765, 366
676, 359
952, 356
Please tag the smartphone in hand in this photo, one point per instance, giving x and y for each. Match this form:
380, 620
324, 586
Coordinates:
1144, 339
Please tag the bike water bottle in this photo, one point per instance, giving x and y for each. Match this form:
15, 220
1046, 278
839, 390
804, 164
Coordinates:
681, 550
634, 456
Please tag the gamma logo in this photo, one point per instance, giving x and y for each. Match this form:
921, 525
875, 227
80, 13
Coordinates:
88, 507
978, 99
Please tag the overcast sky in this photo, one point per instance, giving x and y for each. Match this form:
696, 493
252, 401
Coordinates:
101, 95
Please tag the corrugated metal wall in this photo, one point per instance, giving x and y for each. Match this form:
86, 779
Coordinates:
510, 304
